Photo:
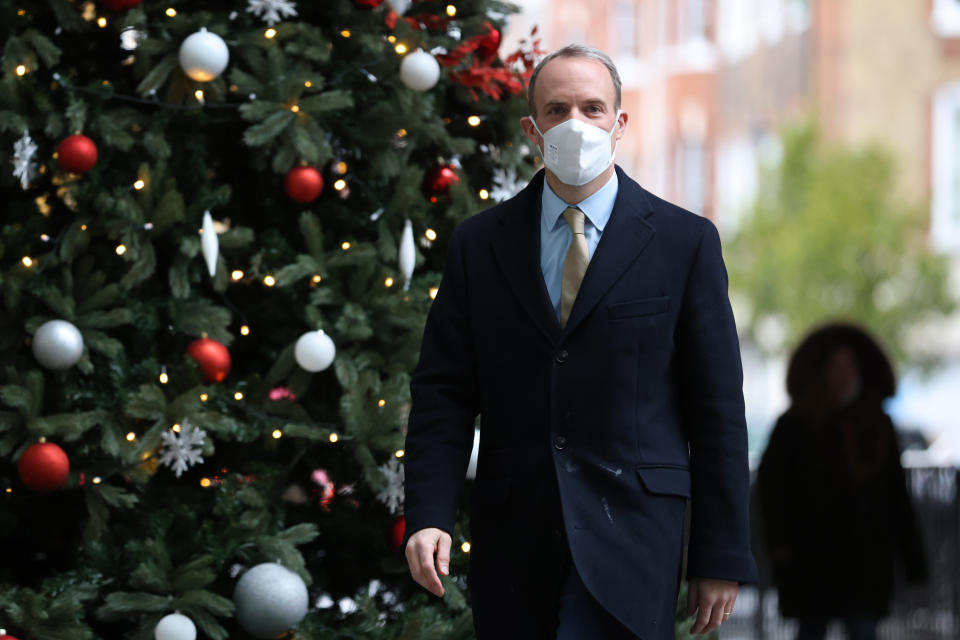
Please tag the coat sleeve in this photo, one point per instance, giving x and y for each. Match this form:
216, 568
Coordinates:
710, 379
444, 405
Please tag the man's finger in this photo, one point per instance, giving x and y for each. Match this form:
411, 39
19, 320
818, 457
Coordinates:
430, 579
716, 616
705, 609
443, 554
693, 598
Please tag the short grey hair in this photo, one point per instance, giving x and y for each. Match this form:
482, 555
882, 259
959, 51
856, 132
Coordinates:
577, 51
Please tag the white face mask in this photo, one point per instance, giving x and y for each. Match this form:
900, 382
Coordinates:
577, 152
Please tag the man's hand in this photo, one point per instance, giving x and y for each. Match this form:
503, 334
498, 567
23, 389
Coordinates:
420, 550
713, 598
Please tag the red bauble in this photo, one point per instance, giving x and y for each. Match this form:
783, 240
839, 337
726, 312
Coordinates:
489, 44
437, 182
77, 154
369, 4
213, 358
118, 5
7, 638
44, 467
303, 184
396, 533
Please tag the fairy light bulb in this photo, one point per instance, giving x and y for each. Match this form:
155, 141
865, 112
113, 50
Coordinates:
433, 293
131, 437
164, 378
345, 246
171, 12
269, 281
204, 397
400, 48
270, 33
121, 249
465, 547
139, 184
175, 428
473, 121
237, 275
27, 261
244, 330
345, 33
484, 194
101, 22
205, 483
430, 234
381, 403
451, 10
334, 437
21, 70
340, 184
198, 94
317, 279
388, 282
399, 453
277, 434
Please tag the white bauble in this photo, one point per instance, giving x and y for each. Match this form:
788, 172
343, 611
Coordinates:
175, 626
204, 55
472, 467
408, 254
270, 600
314, 351
57, 345
209, 243
420, 71
400, 6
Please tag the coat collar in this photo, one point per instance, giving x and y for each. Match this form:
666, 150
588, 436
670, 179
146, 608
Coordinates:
517, 248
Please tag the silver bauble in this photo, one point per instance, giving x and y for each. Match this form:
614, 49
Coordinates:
175, 626
204, 55
57, 345
270, 600
419, 71
314, 351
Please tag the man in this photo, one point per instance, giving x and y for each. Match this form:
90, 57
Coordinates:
587, 322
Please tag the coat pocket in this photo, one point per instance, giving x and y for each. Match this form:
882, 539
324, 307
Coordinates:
634, 308
669, 481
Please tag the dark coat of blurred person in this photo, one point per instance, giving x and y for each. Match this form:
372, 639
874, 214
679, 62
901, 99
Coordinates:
836, 512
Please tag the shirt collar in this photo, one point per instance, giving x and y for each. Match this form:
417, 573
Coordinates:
597, 208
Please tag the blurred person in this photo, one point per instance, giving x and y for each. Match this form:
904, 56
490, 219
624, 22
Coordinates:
587, 322
833, 495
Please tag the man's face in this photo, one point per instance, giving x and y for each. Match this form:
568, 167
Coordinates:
578, 88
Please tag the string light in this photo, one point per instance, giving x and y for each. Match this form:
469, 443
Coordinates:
139, 184
101, 22
484, 194
401, 133
21, 12
9, 490
451, 10
388, 282
198, 94
121, 249
399, 453
392, 39
21, 70
27, 261
295, 108
277, 434
176, 428
45, 237
237, 274
83, 227
341, 167
308, 84
400, 48
238, 396
269, 281
345, 33
334, 437
244, 330
431, 234
382, 403
97, 480
131, 437
345, 246
465, 547
317, 279
270, 33
340, 184
205, 483
433, 292
171, 12
164, 378
203, 397
473, 121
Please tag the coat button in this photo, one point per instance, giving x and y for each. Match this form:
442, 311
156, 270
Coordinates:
562, 356
559, 443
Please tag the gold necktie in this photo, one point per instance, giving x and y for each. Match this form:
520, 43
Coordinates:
574, 265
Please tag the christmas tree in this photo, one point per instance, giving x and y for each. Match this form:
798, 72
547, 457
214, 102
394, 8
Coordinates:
223, 224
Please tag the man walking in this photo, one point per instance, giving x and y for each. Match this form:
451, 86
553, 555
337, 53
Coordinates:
587, 322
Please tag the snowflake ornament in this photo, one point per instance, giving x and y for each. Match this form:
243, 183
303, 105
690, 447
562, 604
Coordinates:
24, 162
505, 185
392, 494
272, 11
179, 453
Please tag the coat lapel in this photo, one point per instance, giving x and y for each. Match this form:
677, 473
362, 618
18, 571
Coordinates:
624, 239
517, 249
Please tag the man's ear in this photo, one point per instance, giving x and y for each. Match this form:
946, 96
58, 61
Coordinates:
526, 123
622, 124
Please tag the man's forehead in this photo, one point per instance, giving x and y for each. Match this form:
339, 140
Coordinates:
585, 78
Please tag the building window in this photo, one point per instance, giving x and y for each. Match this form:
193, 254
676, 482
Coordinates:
945, 18
626, 28
694, 26
945, 207
690, 175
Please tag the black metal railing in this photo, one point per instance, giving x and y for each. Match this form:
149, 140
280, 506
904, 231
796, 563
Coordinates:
930, 612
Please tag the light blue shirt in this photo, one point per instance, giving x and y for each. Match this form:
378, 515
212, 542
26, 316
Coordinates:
555, 234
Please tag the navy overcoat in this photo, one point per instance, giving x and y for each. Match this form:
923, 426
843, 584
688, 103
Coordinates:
596, 434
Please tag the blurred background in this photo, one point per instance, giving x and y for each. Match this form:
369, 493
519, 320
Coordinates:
823, 139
